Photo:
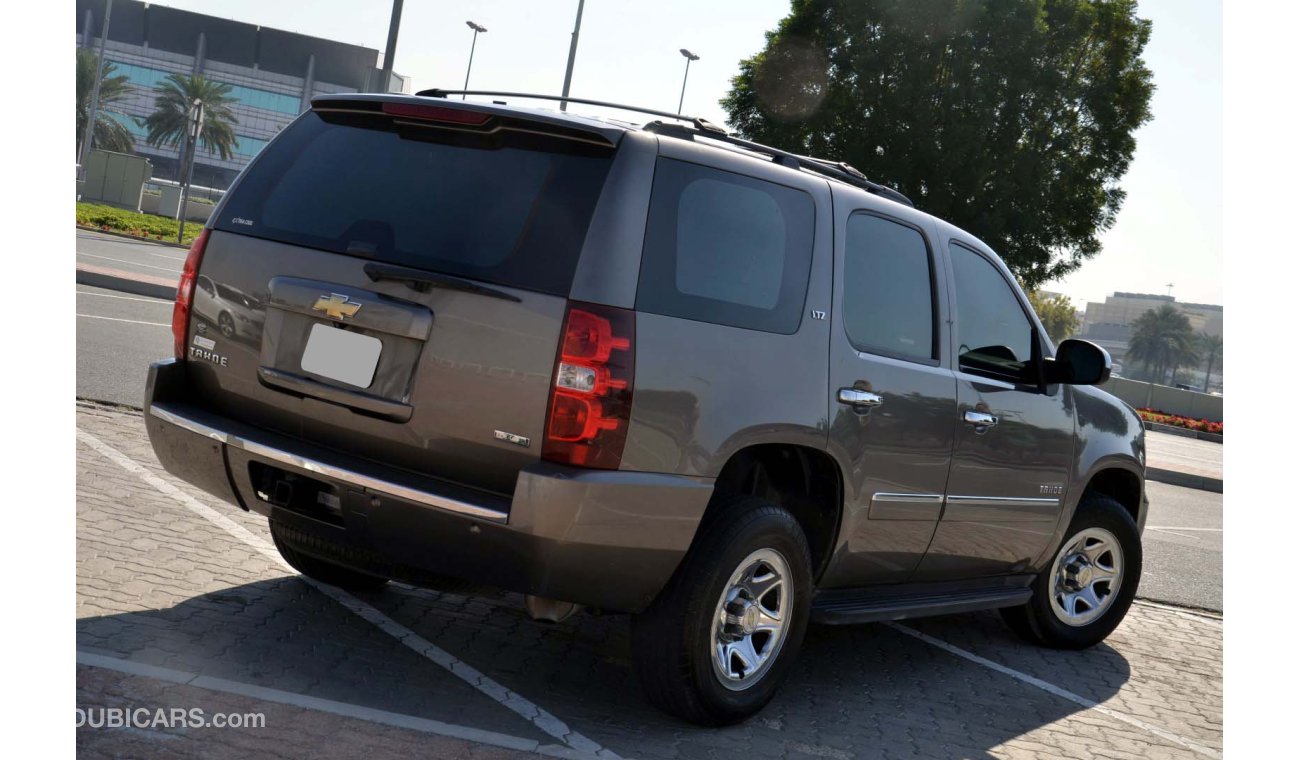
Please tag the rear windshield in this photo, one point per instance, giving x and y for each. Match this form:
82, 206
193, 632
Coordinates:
510, 209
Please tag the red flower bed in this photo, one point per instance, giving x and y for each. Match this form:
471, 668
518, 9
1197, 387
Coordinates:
1204, 426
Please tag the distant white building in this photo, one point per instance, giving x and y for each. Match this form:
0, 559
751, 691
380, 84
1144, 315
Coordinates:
1109, 323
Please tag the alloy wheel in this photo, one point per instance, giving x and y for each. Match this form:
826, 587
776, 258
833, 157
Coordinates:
751, 619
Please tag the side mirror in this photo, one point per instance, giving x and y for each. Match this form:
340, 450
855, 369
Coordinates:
1078, 362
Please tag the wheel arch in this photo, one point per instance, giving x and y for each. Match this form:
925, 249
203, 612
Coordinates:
1122, 485
803, 480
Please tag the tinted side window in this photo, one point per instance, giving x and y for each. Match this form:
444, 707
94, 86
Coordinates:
995, 334
888, 300
726, 248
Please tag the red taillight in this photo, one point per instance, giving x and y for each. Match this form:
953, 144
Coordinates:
436, 113
591, 399
185, 293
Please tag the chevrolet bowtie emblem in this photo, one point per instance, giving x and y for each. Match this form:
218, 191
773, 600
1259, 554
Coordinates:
336, 306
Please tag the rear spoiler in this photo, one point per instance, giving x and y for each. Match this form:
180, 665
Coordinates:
477, 117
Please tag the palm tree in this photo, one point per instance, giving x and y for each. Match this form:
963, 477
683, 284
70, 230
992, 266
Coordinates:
1163, 341
175, 96
1212, 345
110, 134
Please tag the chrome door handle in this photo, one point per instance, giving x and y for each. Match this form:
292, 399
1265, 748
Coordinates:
855, 397
980, 419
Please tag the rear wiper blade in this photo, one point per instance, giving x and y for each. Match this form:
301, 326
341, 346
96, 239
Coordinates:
422, 280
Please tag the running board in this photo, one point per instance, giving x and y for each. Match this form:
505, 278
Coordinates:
843, 607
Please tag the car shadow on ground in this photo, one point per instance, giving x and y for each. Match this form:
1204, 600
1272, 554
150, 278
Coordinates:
857, 691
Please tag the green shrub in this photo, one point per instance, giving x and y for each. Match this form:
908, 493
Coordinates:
133, 223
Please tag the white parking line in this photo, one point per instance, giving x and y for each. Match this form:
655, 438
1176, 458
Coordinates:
308, 702
1170, 527
1053, 689
540, 718
118, 319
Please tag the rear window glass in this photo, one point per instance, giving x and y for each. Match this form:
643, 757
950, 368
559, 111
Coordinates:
726, 248
510, 209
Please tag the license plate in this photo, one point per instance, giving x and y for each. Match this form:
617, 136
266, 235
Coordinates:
341, 355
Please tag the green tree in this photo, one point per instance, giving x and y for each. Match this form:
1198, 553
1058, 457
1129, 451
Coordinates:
1057, 314
110, 134
1013, 119
1163, 341
175, 96
1212, 349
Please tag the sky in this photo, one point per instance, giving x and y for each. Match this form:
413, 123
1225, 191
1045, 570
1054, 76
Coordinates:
1170, 229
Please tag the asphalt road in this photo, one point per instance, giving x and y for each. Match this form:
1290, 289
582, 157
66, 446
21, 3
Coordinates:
107, 251
118, 335
1183, 547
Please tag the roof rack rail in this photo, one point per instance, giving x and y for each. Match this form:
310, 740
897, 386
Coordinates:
436, 93
698, 126
836, 169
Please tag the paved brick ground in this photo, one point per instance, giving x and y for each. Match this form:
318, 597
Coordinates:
160, 585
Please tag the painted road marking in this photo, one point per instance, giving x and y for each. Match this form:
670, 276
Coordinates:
1053, 689
1168, 527
540, 718
306, 701
157, 301
116, 319
170, 270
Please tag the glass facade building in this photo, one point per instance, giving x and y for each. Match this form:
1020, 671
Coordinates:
272, 75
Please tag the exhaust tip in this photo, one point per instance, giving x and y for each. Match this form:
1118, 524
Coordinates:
549, 610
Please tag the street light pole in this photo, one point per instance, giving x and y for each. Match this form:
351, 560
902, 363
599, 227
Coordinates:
472, 44
88, 137
390, 52
193, 128
573, 54
689, 57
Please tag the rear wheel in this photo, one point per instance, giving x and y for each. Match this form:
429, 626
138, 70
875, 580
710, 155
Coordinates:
720, 638
1084, 593
327, 572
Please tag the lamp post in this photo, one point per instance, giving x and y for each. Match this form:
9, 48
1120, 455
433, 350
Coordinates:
689, 57
476, 29
573, 53
193, 128
390, 52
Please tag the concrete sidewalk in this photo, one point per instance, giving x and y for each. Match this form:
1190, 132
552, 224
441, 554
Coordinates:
1186, 462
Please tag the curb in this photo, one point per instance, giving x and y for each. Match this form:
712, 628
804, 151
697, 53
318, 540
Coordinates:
137, 238
1185, 480
1182, 432
116, 279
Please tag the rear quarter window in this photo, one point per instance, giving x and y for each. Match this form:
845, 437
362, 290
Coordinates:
726, 248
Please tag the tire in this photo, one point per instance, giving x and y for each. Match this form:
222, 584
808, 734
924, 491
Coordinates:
326, 572
227, 324
674, 641
1055, 618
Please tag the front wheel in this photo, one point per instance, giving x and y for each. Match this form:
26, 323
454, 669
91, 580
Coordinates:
1087, 589
720, 638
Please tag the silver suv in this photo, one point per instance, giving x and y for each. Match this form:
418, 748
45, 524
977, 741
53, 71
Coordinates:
651, 369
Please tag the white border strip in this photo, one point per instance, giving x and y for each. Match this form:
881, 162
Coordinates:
540, 718
1055, 690
308, 702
